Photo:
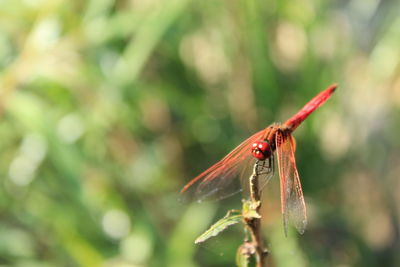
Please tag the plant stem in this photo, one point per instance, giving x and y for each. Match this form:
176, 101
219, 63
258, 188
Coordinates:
254, 223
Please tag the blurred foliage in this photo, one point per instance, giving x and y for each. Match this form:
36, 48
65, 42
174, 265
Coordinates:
109, 107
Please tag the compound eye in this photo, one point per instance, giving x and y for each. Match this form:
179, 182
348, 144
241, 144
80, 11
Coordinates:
261, 150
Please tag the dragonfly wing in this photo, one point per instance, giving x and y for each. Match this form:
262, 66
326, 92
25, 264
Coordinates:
266, 171
292, 199
297, 205
217, 180
223, 186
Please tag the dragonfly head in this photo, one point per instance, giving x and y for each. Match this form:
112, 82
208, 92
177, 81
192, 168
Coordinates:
261, 150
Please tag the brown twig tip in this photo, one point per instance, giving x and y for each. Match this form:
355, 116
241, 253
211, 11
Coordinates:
252, 220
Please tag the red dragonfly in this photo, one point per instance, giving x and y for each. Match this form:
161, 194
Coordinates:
261, 147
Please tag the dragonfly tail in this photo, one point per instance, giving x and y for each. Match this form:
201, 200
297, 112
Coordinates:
310, 107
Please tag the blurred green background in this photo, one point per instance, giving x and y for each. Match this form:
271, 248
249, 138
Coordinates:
109, 107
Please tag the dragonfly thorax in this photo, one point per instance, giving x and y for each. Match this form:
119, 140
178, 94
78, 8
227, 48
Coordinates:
261, 150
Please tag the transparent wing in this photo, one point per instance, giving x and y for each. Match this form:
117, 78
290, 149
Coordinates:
266, 171
292, 199
219, 181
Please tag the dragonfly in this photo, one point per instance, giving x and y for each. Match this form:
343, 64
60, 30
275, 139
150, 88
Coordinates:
261, 148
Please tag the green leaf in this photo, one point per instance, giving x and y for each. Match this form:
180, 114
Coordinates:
242, 259
249, 211
231, 218
246, 206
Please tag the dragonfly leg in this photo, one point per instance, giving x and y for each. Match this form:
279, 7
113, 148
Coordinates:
265, 166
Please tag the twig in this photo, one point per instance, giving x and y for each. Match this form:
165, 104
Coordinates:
253, 223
